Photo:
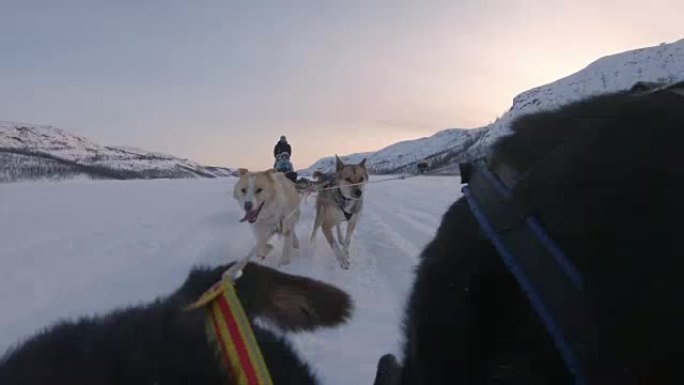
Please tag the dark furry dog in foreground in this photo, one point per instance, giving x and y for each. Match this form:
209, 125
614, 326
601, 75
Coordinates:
604, 177
160, 343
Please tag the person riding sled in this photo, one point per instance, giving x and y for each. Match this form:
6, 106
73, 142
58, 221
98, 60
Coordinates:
282, 152
282, 146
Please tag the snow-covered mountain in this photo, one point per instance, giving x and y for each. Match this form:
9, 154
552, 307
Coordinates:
439, 148
30, 151
662, 64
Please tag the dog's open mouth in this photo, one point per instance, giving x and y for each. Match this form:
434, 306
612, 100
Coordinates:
252, 215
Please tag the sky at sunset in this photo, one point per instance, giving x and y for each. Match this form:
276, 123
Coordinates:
219, 81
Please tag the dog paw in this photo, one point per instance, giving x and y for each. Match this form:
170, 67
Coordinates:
283, 262
342, 258
261, 254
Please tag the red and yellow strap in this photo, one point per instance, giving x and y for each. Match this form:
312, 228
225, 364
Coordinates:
228, 325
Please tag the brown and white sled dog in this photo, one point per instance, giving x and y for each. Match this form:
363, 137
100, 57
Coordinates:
271, 205
340, 200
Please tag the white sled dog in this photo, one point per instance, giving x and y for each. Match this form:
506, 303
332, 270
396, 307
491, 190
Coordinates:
271, 205
341, 199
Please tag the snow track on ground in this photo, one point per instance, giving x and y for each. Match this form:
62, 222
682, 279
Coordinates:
83, 247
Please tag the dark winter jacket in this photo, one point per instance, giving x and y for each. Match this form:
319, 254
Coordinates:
282, 147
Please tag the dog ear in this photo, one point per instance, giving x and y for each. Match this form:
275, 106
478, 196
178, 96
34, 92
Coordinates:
338, 163
292, 303
242, 171
363, 163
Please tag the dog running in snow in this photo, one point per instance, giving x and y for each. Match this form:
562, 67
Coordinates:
340, 200
271, 205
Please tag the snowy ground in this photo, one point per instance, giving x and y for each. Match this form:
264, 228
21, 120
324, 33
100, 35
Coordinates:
82, 247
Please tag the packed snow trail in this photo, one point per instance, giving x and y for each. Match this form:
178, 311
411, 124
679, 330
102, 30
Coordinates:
78, 248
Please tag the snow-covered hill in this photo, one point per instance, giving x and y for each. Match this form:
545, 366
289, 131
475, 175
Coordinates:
660, 64
37, 152
402, 156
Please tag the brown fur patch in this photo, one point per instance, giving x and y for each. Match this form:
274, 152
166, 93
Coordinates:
291, 302
352, 174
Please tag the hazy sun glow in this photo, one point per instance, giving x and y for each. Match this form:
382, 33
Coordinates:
219, 82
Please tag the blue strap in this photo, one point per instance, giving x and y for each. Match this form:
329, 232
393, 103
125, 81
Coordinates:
558, 254
534, 225
538, 304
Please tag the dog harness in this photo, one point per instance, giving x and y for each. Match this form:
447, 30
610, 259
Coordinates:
228, 327
551, 282
343, 201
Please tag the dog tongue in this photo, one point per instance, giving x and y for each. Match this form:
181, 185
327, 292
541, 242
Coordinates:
251, 216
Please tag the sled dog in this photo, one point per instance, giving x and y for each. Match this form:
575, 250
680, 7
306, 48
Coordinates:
271, 205
161, 343
340, 200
